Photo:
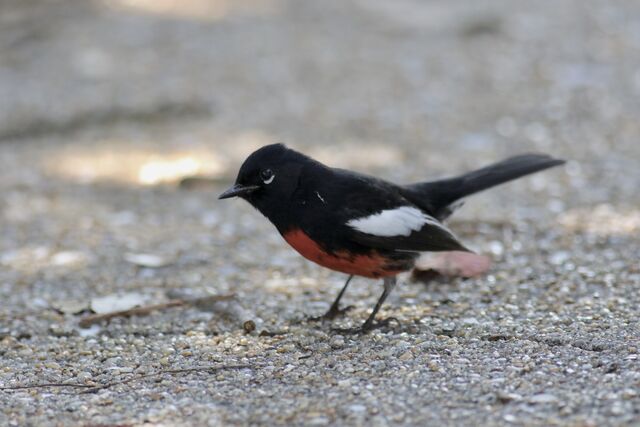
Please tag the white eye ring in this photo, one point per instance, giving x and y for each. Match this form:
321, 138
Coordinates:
267, 176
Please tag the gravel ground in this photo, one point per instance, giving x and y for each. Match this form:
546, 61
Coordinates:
105, 106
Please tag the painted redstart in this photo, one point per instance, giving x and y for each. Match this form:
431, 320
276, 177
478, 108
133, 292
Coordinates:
358, 224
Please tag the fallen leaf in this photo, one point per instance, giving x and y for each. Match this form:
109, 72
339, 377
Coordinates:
117, 302
451, 264
147, 260
71, 306
68, 257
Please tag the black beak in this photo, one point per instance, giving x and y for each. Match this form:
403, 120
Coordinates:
238, 190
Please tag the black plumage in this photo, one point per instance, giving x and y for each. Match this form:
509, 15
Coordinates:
359, 224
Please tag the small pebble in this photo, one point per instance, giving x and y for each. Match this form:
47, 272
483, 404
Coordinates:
337, 342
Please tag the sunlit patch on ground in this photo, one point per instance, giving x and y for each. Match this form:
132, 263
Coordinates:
603, 220
29, 258
207, 10
159, 170
214, 155
134, 166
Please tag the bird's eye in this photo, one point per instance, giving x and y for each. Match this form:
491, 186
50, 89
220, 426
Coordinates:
267, 176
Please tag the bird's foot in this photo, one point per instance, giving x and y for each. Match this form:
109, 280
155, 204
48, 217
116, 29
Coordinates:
366, 327
333, 312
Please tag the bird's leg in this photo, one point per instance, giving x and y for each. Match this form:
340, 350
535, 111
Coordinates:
335, 310
389, 284
370, 323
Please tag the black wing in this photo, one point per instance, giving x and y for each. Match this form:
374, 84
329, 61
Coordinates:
331, 203
431, 237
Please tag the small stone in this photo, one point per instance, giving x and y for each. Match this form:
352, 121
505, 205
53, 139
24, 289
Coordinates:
249, 326
470, 321
496, 248
67, 258
61, 331
406, 356
504, 397
448, 328
559, 258
543, 398
52, 365
433, 366
357, 408
318, 421
147, 260
92, 330
617, 408
287, 348
510, 418
84, 376
337, 341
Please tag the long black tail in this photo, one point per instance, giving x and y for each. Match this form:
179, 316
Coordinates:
439, 195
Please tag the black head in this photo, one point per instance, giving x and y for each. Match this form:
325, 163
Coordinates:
268, 177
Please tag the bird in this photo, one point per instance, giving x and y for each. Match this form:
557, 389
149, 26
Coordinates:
359, 224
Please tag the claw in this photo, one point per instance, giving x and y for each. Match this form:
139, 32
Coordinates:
366, 327
333, 312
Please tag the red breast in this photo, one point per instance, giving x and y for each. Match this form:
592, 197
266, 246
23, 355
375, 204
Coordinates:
371, 265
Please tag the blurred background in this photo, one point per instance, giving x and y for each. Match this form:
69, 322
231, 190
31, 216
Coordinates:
122, 120
107, 105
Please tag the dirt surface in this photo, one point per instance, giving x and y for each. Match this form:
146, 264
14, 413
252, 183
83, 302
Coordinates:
106, 105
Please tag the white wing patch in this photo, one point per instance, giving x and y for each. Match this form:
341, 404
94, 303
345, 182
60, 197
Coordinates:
400, 221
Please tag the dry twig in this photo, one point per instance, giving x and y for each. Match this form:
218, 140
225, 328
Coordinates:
146, 310
92, 388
